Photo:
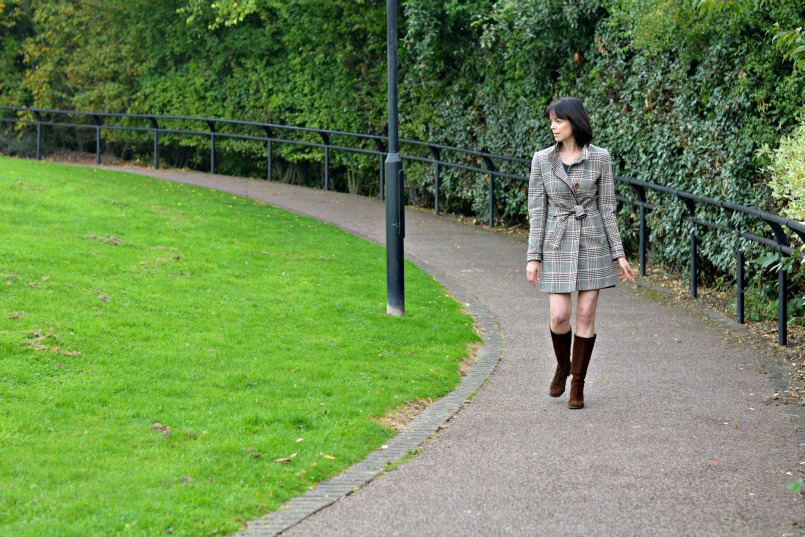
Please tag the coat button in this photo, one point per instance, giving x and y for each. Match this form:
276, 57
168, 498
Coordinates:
577, 185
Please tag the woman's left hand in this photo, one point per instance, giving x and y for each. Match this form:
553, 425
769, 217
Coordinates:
626, 272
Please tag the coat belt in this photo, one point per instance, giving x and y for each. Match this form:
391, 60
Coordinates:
561, 214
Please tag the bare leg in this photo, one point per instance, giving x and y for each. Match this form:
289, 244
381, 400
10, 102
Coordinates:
586, 306
561, 309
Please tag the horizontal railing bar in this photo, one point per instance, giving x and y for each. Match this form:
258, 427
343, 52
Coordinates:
793, 224
637, 203
262, 125
319, 145
467, 151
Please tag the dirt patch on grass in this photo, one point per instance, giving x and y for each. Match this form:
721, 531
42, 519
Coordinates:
472, 356
402, 416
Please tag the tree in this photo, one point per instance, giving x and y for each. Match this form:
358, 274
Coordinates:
791, 43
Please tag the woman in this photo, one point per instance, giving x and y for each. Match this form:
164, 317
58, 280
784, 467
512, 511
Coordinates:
574, 238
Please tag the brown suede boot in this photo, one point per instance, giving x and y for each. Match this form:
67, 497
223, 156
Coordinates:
561, 348
582, 351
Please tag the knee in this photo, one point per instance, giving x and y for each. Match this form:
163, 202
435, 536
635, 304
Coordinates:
560, 318
585, 316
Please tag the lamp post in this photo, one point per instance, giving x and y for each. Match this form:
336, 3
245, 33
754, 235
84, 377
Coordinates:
395, 207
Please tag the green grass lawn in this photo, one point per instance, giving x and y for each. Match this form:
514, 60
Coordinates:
162, 345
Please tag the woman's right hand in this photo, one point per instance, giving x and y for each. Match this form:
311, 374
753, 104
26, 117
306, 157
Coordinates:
532, 272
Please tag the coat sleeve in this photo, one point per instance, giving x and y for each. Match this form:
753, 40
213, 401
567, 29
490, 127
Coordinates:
537, 211
607, 207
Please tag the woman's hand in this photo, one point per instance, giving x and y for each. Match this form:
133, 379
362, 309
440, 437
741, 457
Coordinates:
626, 272
532, 272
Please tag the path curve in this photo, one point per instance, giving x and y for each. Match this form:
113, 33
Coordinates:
677, 437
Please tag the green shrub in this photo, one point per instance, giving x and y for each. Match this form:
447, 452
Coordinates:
788, 174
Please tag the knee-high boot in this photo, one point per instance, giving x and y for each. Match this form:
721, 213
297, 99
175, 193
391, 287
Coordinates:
582, 351
561, 348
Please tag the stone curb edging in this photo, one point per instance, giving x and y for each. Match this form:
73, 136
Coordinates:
413, 435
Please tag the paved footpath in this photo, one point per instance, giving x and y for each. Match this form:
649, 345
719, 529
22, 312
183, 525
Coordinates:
677, 436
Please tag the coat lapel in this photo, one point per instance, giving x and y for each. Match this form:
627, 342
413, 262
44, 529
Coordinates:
559, 169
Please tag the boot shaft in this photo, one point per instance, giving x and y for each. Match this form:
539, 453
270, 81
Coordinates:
582, 352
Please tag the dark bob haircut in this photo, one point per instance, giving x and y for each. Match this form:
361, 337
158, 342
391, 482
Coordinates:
572, 110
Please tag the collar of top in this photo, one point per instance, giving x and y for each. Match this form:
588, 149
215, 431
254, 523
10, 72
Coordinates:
553, 156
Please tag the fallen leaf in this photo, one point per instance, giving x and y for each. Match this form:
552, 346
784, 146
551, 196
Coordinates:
104, 298
286, 460
329, 457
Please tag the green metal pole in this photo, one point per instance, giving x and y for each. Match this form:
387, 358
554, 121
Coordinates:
395, 205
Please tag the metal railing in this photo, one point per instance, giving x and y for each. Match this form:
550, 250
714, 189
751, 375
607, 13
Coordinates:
369, 144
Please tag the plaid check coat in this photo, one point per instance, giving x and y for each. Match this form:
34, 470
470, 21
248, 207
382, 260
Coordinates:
574, 230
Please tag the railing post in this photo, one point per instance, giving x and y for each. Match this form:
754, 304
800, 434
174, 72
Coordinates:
155, 127
782, 309
269, 148
98, 122
491, 167
691, 207
211, 124
782, 281
38, 116
382, 150
641, 195
694, 293
739, 281
326, 139
437, 180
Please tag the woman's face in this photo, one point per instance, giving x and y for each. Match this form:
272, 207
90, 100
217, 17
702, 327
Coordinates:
561, 129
